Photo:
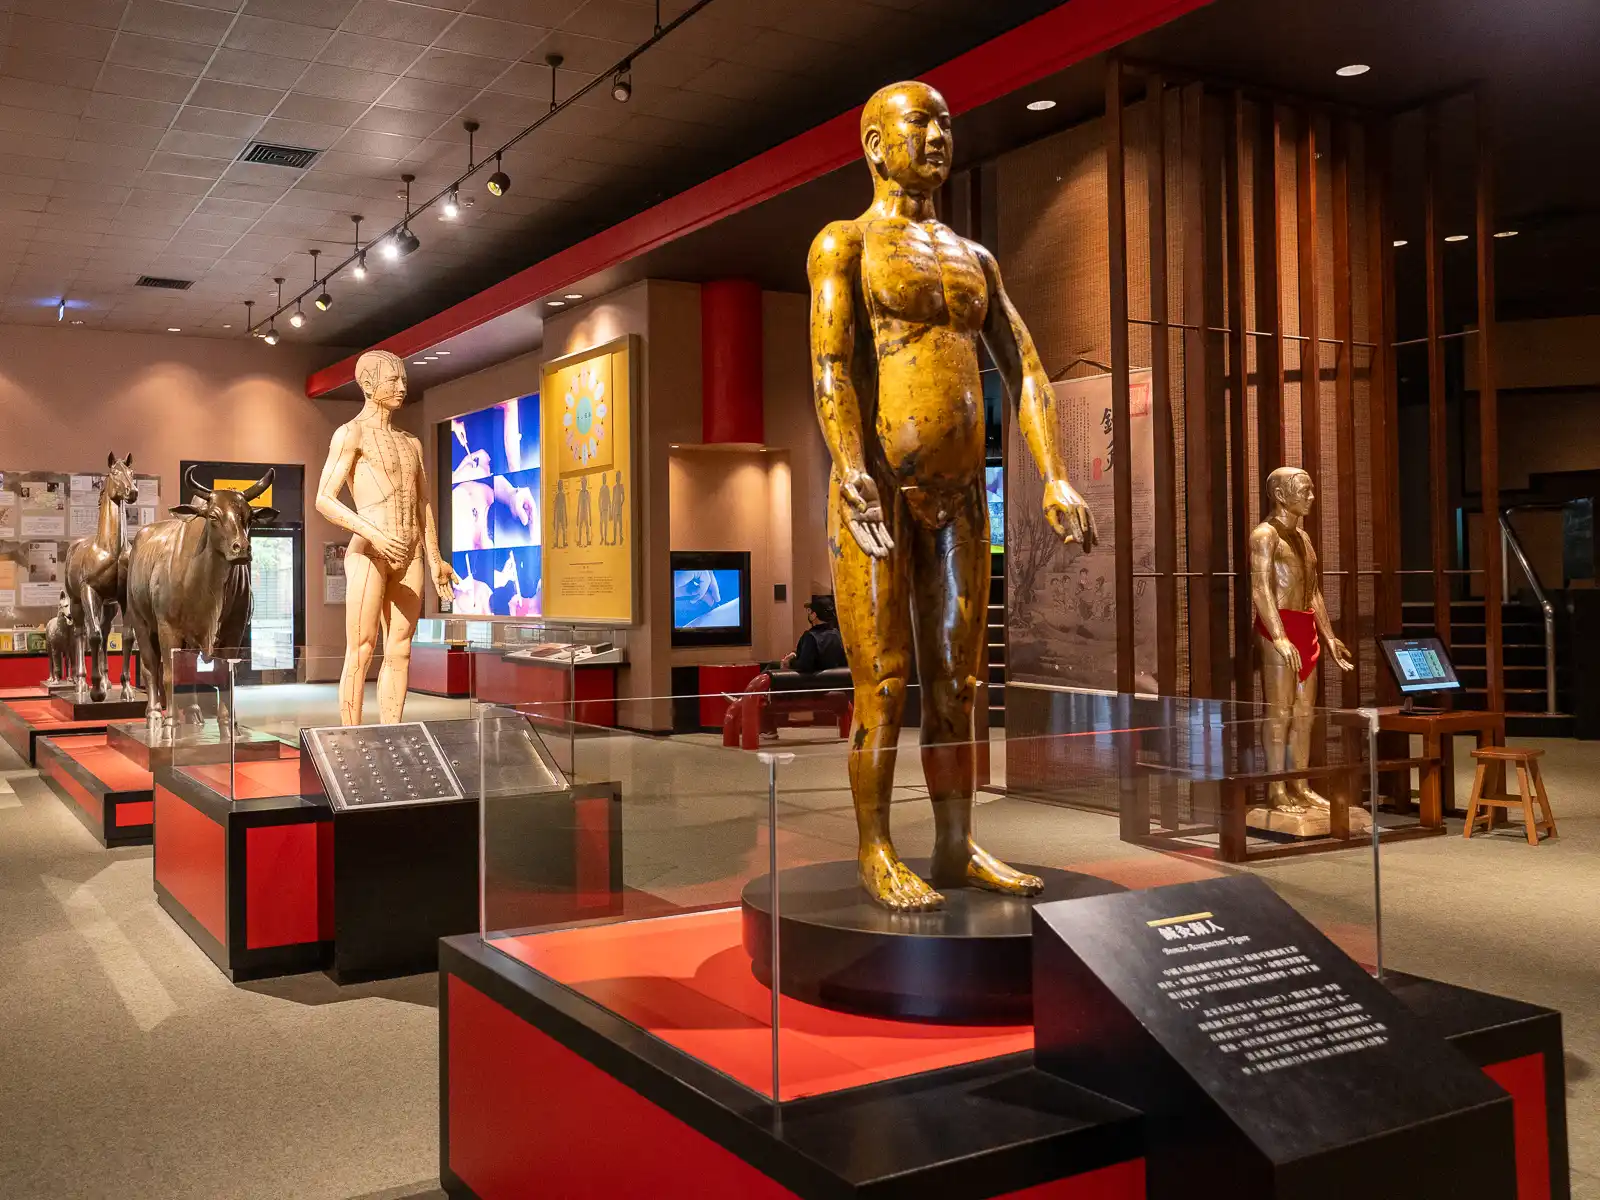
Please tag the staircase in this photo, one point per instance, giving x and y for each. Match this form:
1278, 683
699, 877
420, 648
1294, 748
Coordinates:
1522, 653
997, 641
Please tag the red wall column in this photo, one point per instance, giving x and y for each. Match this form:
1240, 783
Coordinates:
730, 361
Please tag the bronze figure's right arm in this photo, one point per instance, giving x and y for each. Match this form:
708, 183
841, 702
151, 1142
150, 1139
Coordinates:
1263, 546
336, 473
833, 267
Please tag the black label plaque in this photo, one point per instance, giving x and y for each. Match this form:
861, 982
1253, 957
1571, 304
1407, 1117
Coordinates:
375, 766
1267, 1062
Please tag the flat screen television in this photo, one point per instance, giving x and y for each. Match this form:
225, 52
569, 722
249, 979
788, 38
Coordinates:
493, 508
994, 491
711, 598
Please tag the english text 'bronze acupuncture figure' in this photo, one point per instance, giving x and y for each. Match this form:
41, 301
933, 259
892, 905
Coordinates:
393, 527
898, 305
1290, 617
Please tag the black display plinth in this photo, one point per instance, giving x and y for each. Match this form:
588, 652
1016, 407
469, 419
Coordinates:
969, 963
1266, 1061
71, 706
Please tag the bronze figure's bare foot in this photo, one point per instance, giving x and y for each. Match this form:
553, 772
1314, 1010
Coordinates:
893, 884
1308, 799
972, 866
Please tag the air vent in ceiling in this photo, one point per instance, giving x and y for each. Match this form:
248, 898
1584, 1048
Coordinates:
156, 281
278, 156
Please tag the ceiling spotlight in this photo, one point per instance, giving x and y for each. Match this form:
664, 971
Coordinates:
622, 84
297, 318
1401, 242
360, 271
324, 302
1353, 69
1041, 105
406, 242
391, 251
451, 209
271, 337
1505, 233
574, 296
1456, 237
499, 183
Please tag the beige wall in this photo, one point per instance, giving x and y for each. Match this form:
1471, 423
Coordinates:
70, 396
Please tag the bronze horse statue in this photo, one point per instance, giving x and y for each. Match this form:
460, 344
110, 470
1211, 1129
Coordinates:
62, 641
189, 581
95, 583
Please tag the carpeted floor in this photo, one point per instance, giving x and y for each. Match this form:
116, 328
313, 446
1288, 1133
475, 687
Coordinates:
131, 1067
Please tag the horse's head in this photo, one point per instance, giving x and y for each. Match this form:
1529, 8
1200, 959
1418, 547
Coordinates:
119, 480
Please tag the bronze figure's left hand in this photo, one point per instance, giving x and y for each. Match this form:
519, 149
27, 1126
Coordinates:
444, 580
1069, 515
1341, 655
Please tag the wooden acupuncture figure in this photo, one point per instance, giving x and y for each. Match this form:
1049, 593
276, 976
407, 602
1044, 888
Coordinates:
898, 305
393, 531
1290, 618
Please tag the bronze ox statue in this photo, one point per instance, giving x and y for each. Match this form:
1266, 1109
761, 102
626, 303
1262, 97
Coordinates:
96, 585
189, 581
61, 640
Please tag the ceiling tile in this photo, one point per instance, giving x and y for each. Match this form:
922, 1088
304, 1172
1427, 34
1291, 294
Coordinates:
187, 184
178, 22
99, 172
21, 93
143, 85
161, 203
128, 111
300, 133
369, 53
492, 39
126, 156
497, 107
425, 95
389, 146
209, 145
325, 13
37, 124
404, 22
446, 66
159, 54
244, 191
258, 70
115, 133
212, 206
216, 120
548, 13
321, 110
22, 169
343, 83
103, 14
47, 36
283, 38
82, 206
617, 19
40, 185
260, 175
49, 68
187, 164
396, 120
737, 81
236, 97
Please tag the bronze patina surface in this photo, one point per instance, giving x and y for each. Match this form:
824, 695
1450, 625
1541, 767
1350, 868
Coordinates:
899, 304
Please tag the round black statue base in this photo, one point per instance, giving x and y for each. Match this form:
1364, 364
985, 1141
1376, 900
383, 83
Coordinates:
970, 963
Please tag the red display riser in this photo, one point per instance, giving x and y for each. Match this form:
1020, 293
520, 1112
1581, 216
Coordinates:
251, 882
19, 670
592, 691
24, 722
441, 671
115, 816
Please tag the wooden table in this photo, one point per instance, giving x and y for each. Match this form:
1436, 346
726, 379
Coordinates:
1436, 768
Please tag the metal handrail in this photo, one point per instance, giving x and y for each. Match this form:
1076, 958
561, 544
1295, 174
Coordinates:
1510, 541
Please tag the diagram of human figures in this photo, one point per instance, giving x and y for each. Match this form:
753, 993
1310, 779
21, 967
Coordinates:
607, 504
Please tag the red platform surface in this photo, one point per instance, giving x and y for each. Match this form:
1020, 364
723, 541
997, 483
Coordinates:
41, 714
686, 980
251, 780
26, 692
113, 770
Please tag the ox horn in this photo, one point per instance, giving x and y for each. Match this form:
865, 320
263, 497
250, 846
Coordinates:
260, 485
194, 486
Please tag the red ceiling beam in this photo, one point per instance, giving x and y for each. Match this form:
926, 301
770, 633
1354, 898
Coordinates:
1040, 47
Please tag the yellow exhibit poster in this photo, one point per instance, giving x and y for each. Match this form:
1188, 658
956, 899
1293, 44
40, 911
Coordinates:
586, 418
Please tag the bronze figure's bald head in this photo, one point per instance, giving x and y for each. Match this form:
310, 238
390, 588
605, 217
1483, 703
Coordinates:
905, 134
1289, 488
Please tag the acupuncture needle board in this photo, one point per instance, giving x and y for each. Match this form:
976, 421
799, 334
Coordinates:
375, 766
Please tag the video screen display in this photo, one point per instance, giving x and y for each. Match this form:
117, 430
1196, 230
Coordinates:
994, 491
706, 599
1420, 664
494, 509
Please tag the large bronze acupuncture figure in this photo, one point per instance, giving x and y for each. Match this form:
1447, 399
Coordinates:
898, 305
393, 527
1290, 617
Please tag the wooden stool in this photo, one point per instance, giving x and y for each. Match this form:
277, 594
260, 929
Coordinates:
1527, 764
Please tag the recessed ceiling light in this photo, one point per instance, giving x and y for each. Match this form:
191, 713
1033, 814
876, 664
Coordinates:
77, 322
416, 362
1353, 69
227, 326
1041, 105
1401, 242
556, 303
574, 295
1506, 233
442, 353
1456, 237
173, 329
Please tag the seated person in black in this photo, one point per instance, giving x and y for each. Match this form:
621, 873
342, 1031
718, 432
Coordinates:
820, 647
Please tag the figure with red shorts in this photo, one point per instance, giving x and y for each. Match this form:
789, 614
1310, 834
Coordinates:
1291, 622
